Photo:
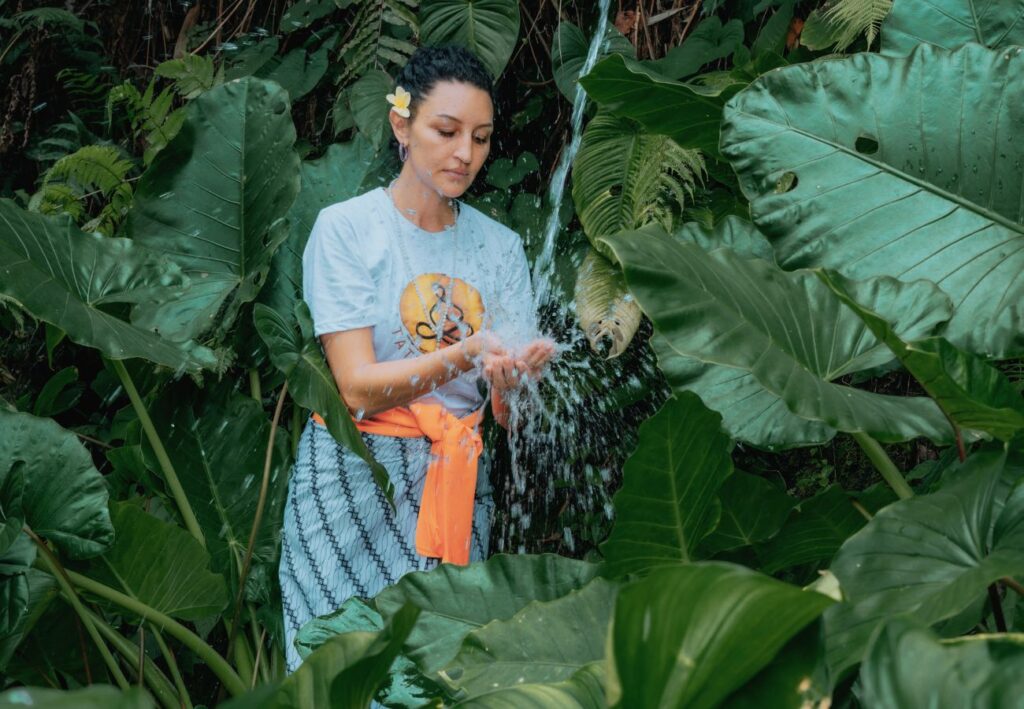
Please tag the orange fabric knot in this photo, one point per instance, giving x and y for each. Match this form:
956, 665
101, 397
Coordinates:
445, 524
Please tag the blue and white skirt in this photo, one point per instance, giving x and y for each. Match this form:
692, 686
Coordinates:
341, 538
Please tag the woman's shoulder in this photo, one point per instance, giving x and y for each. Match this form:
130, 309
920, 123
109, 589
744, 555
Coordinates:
353, 209
491, 229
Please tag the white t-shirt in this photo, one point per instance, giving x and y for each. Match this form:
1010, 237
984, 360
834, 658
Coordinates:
358, 271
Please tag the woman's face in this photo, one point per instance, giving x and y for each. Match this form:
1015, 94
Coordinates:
449, 136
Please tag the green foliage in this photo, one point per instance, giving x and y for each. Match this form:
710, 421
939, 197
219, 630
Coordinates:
952, 24
726, 621
933, 556
93, 169
885, 154
488, 28
843, 22
569, 51
238, 209
380, 38
669, 498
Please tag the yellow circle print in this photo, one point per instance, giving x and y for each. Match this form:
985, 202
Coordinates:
423, 305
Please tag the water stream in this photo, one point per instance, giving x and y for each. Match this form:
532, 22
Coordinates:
551, 444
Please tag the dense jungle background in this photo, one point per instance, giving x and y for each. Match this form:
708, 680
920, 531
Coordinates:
781, 456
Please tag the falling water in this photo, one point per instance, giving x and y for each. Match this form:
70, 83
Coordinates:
551, 445
543, 266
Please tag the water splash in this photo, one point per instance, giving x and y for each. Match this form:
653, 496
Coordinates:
568, 431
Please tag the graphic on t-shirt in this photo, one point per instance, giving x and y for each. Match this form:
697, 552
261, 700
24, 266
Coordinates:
439, 311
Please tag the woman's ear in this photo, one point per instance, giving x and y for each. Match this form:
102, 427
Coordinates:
400, 127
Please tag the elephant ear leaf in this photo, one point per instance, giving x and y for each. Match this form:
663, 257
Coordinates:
971, 392
70, 279
951, 24
63, 498
159, 564
215, 199
488, 28
786, 330
905, 167
931, 556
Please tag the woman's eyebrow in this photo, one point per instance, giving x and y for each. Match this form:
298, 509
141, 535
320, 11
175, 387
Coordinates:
453, 118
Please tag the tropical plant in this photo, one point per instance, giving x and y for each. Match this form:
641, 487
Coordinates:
790, 255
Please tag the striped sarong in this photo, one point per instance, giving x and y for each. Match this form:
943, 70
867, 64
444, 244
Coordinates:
341, 538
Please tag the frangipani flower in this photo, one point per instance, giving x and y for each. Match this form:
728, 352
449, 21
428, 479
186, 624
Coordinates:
400, 101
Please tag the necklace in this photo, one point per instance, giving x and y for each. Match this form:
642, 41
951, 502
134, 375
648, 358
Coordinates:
440, 333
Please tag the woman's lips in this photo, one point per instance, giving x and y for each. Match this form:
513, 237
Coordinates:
456, 174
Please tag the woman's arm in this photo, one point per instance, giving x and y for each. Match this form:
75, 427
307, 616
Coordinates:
369, 386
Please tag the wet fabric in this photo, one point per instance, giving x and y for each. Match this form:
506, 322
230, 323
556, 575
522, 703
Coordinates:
340, 536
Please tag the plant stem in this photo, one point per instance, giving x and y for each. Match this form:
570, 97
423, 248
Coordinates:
191, 523
156, 679
59, 573
172, 665
257, 518
997, 607
297, 412
881, 460
1012, 583
254, 385
217, 664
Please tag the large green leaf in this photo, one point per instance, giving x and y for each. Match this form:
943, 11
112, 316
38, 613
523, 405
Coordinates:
793, 679
63, 498
406, 685
907, 666
690, 636
545, 642
753, 510
931, 556
298, 71
369, 109
215, 198
971, 392
569, 48
96, 697
217, 441
344, 171
952, 23
668, 501
709, 40
70, 279
584, 690
814, 531
488, 28
608, 315
458, 599
904, 167
159, 564
296, 354
689, 113
623, 178
347, 669
788, 330
15, 591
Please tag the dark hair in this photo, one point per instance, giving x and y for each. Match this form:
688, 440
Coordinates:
429, 65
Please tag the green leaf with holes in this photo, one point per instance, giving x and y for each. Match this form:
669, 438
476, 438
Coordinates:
905, 167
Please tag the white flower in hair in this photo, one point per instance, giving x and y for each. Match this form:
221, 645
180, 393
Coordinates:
400, 101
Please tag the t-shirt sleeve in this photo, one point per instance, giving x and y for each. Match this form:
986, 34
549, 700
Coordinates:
336, 283
516, 318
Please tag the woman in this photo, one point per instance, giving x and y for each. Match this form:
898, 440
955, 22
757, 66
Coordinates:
415, 297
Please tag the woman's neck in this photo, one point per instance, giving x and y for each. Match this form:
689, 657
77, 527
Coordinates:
420, 204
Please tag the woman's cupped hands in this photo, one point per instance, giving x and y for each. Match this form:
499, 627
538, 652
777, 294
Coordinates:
506, 368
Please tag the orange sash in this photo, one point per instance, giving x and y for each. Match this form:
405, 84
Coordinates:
445, 524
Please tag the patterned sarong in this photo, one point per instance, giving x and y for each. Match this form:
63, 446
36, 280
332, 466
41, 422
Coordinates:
340, 536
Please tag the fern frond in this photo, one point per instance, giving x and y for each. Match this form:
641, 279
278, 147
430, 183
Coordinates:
852, 18
97, 167
624, 178
375, 44
192, 74
91, 170
52, 17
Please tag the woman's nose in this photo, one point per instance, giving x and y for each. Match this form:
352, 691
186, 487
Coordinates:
464, 152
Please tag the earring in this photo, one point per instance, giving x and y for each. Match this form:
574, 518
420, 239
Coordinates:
403, 152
